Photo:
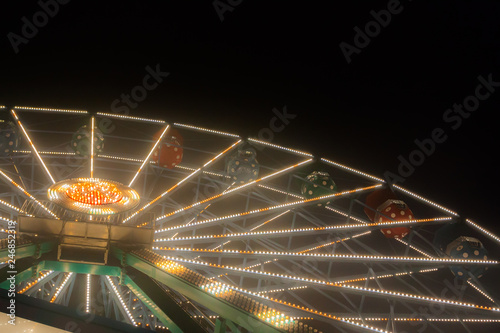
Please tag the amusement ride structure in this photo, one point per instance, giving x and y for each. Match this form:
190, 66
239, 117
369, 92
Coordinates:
110, 222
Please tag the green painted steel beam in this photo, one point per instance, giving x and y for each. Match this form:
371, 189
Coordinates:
220, 326
78, 267
160, 303
232, 326
27, 250
151, 305
193, 292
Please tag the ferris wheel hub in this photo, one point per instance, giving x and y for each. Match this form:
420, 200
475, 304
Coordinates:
93, 196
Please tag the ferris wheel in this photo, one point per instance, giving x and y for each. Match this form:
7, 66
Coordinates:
130, 223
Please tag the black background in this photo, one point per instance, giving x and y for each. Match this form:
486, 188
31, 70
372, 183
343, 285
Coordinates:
230, 74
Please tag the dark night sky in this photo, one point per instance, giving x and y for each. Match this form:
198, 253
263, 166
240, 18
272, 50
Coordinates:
229, 75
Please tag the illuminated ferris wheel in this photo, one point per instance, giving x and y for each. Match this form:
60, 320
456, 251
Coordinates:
137, 224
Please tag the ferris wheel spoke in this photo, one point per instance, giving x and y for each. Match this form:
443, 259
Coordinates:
289, 150
129, 118
149, 155
261, 211
65, 286
282, 232
255, 226
44, 287
349, 279
118, 300
299, 210
424, 200
219, 196
205, 130
477, 286
232, 295
92, 122
30, 286
5, 222
32, 145
13, 208
176, 186
346, 288
484, 231
342, 212
351, 170
360, 220
49, 110
274, 189
417, 249
399, 188
425, 287
20, 188
344, 258
328, 242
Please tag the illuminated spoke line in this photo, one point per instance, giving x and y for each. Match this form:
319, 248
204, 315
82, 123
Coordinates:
88, 293
7, 220
232, 294
92, 148
129, 159
398, 239
484, 231
45, 152
329, 207
182, 181
425, 200
414, 248
206, 207
334, 242
123, 117
206, 172
345, 215
36, 281
300, 252
253, 211
395, 186
32, 146
467, 320
341, 166
286, 232
191, 221
326, 257
280, 191
481, 291
27, 194
360, 279
219, 289
201, 129
341, 287
280, 147
149, 155
270, 220
388, 275
254, 228
27, 108
5, 231
122, 303
277, 173
61, 287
